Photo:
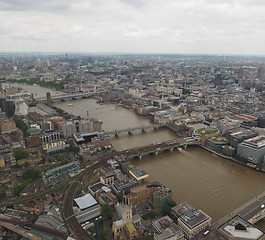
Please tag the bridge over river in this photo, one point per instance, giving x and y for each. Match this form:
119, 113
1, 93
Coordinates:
131, 130
65, 97
252, 211
159, 147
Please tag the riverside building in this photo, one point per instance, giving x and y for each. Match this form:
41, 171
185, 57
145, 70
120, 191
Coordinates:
253, 149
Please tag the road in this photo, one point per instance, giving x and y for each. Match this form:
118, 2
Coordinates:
244, 211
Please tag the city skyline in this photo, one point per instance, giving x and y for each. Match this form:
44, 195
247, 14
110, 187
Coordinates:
162, 27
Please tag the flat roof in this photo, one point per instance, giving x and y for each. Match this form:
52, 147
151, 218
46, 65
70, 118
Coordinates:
246, 117
258, 141
190, 216
237, 227
138, 173
85, 201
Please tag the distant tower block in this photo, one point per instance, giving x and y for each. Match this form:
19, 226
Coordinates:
49, 100
260, 74
240, 73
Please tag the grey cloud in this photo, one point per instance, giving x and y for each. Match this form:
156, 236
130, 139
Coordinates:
205, 26
33, 5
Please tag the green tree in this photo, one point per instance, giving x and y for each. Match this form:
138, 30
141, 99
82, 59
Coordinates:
106, 211
172, 203
32, 104
2, 192
166, 209
31, 174
26, 164
147, 237
21, 154
22, 126
103, 234
120, 197
150, 214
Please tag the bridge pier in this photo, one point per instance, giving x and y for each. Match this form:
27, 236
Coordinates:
140, 156
171, 149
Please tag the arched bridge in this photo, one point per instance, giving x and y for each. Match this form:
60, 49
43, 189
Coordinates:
159, 147
131, 130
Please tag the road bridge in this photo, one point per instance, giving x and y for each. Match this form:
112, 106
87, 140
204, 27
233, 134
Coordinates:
252, 211
255, 211
131, 130
158, 147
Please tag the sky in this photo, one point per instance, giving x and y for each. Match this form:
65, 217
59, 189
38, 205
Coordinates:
133, 26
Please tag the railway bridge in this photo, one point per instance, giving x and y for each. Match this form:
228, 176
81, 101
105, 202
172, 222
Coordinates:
131, 130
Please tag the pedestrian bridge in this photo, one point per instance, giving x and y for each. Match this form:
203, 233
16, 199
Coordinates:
65, 97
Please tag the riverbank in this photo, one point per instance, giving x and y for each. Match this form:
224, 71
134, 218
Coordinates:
230, 158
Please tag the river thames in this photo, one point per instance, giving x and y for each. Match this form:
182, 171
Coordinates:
215, 185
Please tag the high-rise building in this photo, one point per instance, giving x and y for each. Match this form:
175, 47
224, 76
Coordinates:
260, 74
240, 73
49, 100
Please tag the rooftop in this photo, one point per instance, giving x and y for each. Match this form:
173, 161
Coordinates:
258, 141
246, 117
85, 201
138, 173
237, 227
190, 216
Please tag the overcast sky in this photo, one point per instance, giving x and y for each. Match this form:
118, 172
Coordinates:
142, 26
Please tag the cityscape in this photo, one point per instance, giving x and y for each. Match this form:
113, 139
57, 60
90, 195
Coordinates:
132, 146
132, 120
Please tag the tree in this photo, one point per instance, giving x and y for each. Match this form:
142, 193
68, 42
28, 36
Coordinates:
103, 234
150, 214
172, 203
147, 237
166, 210
22, 126
2, 192
21, 154
26, 164
31, 174
120, 197
106, 211
32, 104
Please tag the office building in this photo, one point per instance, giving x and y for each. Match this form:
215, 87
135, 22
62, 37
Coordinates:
190, 220
165, 229
253, 149
238, 135
69, 128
